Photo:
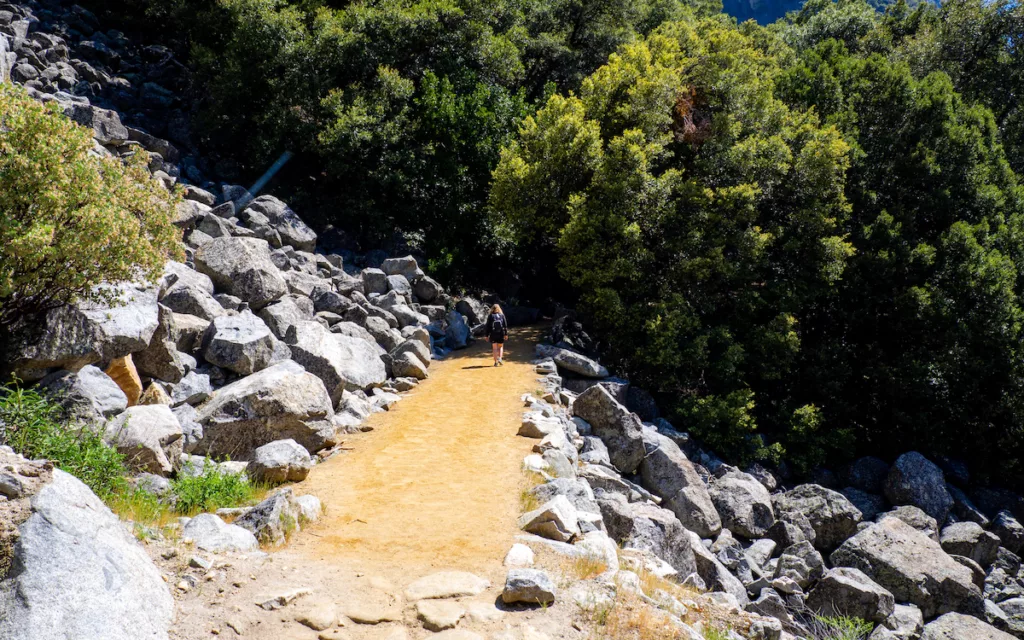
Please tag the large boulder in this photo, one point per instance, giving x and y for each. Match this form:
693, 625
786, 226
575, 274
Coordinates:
408, 365
619, 428
668, 474
242, 343
280, 461
915, 480
955, 626
404, 266
281, 402
968, 539
243, 268
90, 332
743, 503
286, 313
89, 393
867, 474
427, 290
845, 591
291, 229
638, 525
912, 566
574, 362
161, 359
716, 576
275, 519
457, 333
79, 573
832, 516
801, 563
556, 519
473, 309
343, 363
149, 437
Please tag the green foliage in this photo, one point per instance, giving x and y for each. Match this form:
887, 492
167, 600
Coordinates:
211, 490
69, 220
804, 238
839, 628
35, 427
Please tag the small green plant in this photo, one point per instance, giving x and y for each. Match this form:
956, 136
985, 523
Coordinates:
839, 628
211, 490
36, 427
714, 633
141, 506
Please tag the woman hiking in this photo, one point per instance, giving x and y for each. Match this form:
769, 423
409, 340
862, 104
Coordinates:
497, 333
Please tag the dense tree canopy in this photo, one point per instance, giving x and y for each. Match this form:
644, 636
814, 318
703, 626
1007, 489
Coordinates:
806, 238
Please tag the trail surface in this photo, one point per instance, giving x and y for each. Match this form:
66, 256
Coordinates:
437, 481
434, 487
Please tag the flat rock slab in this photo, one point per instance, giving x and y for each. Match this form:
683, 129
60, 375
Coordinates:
365, 613
438, 615
446, 584
457, 634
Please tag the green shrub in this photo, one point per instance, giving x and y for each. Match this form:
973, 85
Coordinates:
212, 490
35, 427
839, 628
70, 220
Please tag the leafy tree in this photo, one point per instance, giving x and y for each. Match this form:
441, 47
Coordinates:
70, 220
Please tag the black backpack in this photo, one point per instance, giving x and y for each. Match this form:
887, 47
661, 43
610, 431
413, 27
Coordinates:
498, 328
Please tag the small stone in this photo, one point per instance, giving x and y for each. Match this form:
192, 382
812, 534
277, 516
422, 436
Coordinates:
282, 599
333, 634
318, 616
363, 613
528, 585
519, 555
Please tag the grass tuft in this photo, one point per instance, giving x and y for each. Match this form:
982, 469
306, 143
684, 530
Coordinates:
213, 489
37, 428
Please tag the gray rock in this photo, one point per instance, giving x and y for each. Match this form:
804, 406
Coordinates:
89, 332
191, 430
905, 623
194, 388
615, 425
867, 474
802, 563
964, 509
277, 403
532, 586
915, 480
571, 361
242, 343
869, 504
399, 285
427, 290
149, 437
956, 626
970, 540
209, 533
382, 332
341, 362
848, 592
713, 573
646, 527
457, 334
286, 313
556, 519
280, 461
243, 268
915, 518
160, 359
912, 566
408, 365
80, 574
274, 519
374, 281
743, 503
88, 393
832, 516
191, 299
1009, 530
405, 266
668, 474
292, 230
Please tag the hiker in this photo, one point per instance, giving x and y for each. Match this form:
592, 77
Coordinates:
497, 332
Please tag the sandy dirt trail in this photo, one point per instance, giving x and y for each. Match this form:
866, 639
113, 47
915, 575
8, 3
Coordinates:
434, 487
437, 482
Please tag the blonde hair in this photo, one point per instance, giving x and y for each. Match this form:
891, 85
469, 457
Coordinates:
497, 309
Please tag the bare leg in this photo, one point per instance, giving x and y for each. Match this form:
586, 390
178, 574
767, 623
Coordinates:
501, 352
495, 351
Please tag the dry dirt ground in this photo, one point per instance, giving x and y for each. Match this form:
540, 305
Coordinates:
434, 487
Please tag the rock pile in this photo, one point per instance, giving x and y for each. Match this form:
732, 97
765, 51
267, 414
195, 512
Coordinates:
900, 545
